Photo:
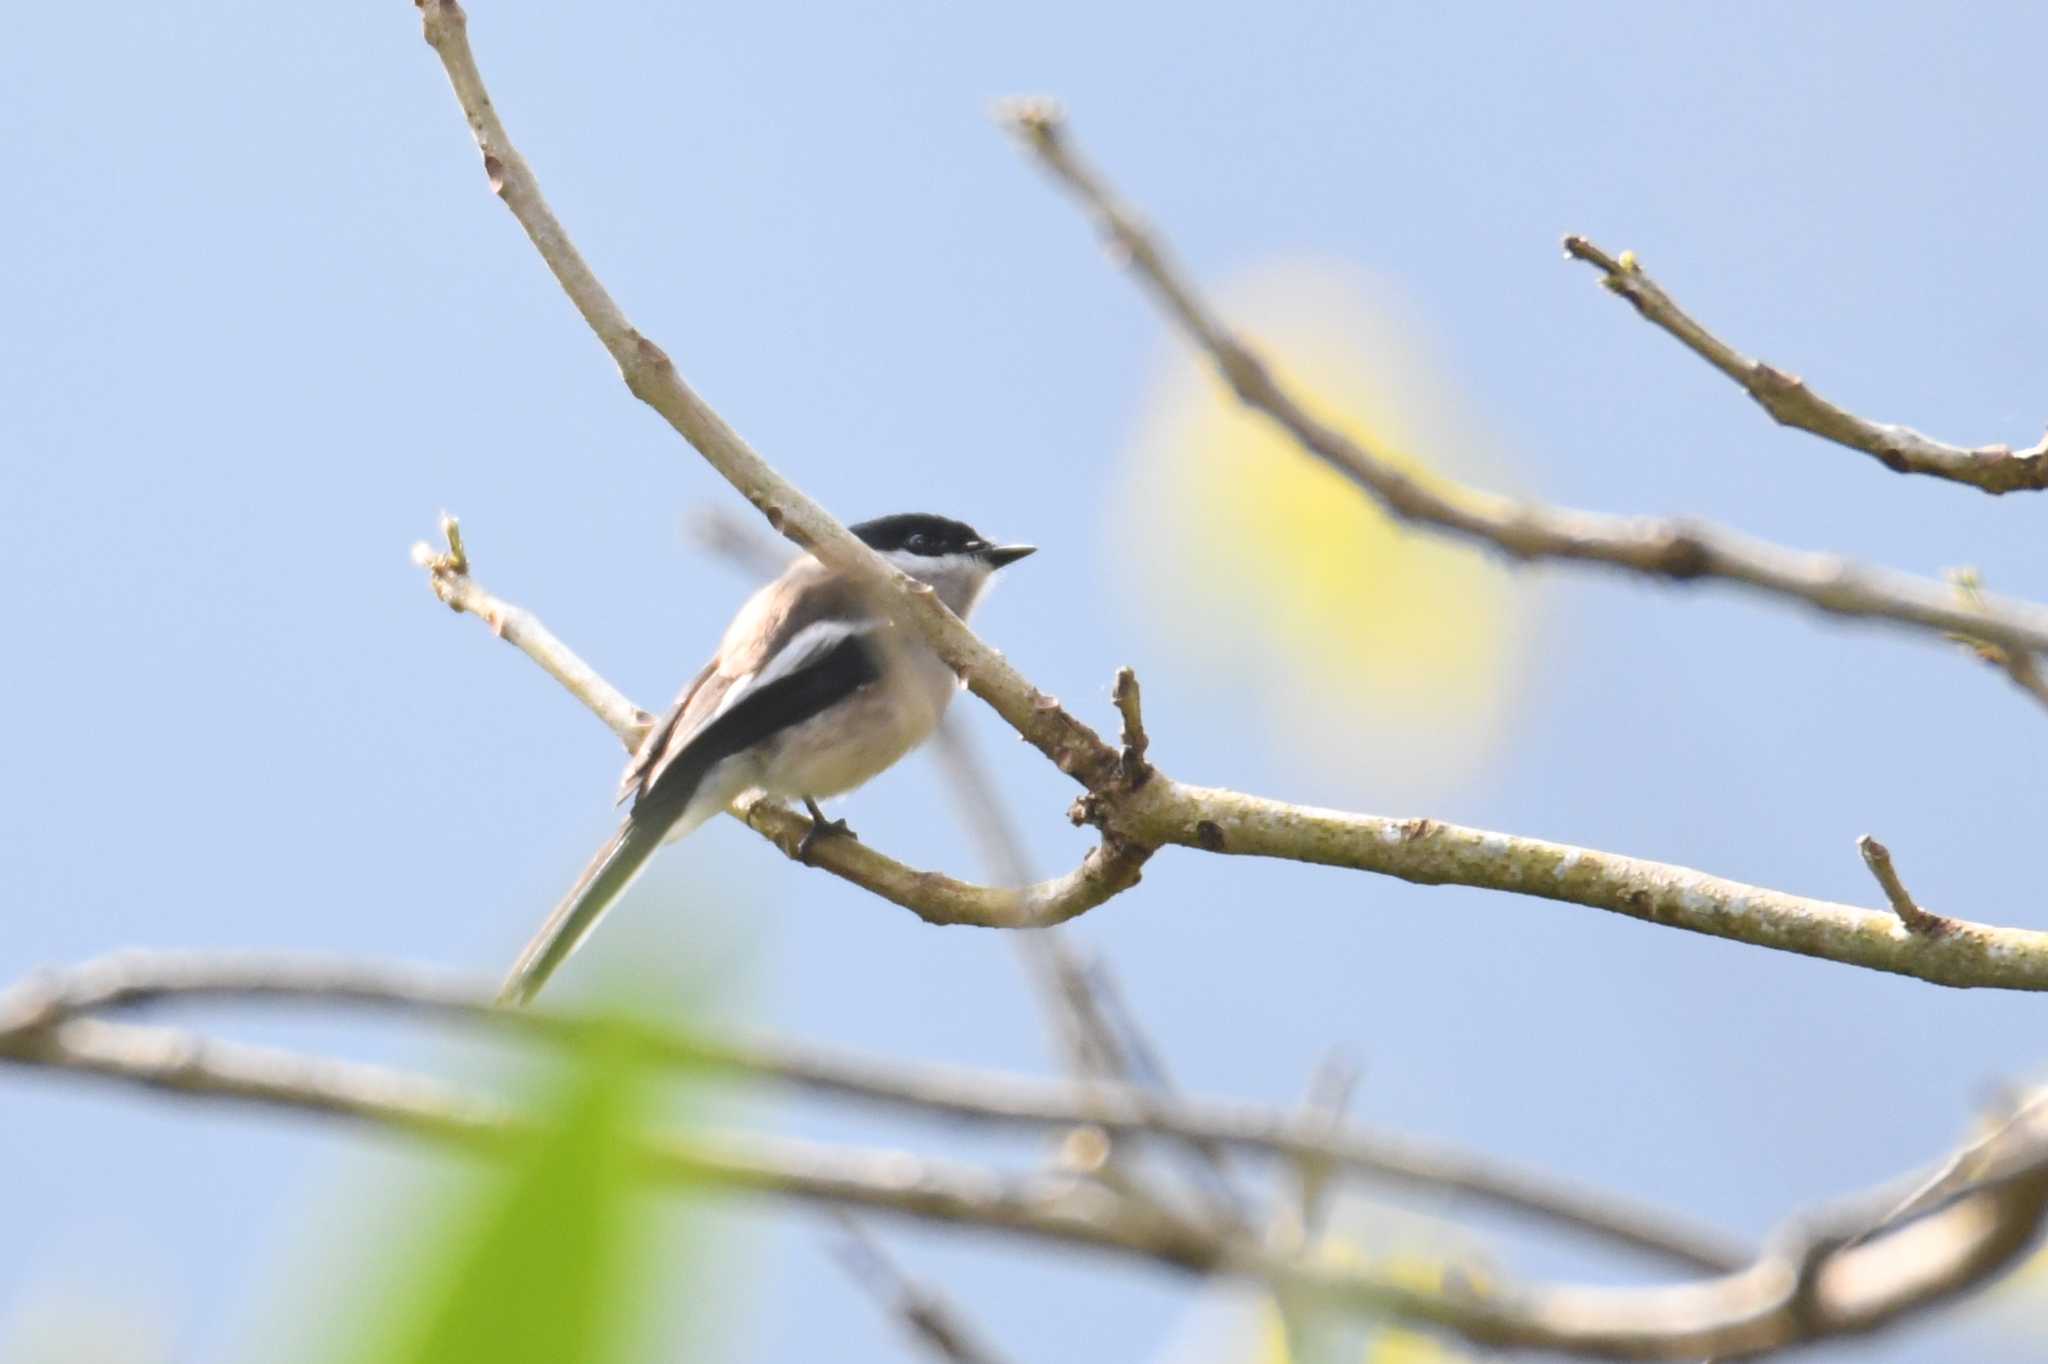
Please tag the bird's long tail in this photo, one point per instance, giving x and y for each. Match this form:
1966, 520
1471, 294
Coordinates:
621, 859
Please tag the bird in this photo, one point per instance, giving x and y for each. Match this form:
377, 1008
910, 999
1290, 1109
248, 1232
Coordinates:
812, 691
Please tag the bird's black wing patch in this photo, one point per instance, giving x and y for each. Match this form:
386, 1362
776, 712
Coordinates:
834, 675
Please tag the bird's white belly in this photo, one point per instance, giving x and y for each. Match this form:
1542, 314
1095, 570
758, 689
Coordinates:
849, 744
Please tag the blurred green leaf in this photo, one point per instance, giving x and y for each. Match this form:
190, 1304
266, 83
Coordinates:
549, 1260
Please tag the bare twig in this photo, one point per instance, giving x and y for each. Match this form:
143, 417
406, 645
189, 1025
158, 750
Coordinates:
448, 574
1132, 766
1298, 1223
1828, 1277
1917, 920
1992, 468
925, 1313
135, 979
1088, 1046
1668, 549
1097, 1044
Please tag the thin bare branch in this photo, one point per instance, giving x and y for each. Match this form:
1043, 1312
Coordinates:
1087, 1045
1298, 1222
448, 574
1991, 468
1827, 1277
926, 1314
136, 979
1669, 549
1097, 1043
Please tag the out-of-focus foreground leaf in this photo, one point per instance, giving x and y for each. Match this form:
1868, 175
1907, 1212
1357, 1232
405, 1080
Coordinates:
547, 1261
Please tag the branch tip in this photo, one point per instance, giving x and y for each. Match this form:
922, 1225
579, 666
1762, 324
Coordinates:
1038, 117
458, 554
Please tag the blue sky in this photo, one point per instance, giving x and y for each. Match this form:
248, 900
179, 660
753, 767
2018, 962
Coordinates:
264, 322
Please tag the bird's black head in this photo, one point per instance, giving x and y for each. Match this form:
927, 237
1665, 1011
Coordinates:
927, 536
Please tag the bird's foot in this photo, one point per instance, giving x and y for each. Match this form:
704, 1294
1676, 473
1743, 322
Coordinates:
821, 828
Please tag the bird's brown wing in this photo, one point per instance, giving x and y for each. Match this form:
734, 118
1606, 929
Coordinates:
692, 705
762, 631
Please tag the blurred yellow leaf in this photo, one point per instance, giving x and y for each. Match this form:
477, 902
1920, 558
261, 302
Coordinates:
1355, 634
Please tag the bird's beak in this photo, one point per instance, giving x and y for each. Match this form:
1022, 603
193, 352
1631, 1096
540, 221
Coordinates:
999, 556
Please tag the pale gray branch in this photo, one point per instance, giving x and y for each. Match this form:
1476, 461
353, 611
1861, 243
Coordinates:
448, 575
1838, 1275
1669, 549
1992, 468
134, 979
1429, 852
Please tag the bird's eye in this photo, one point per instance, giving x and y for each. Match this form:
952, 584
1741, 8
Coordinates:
920, 543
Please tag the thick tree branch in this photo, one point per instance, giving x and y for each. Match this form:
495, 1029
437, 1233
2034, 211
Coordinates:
1841, 1274
1669, 549
653, 378
1992, 468
1430, 852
